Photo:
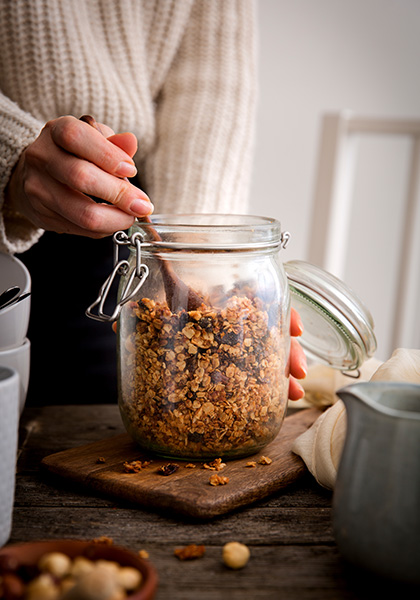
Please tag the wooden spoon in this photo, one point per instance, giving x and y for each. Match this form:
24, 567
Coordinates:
178, 294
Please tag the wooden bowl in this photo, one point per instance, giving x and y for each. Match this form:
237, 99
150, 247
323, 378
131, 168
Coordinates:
29, 553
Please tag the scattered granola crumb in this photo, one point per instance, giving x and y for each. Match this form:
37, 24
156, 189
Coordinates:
264, 460
215, 465
216, 479
168, 469
104, 539
235, 555
100, 460
190, 552
135, 466
143, 554
251, 464
190, 466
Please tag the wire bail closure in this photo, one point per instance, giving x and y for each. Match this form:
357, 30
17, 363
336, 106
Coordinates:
139, 271
284, 239
122, 268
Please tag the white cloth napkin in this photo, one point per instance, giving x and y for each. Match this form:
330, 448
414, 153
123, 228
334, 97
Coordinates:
321, 445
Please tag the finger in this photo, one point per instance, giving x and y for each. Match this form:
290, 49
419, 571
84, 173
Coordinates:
87, 178
105, 130
64, 210
296, 391
296, 326
56, 222
298, 365
125, 141
93, 219
83, 141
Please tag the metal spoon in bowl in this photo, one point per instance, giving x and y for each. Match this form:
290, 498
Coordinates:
8, 295
15, 300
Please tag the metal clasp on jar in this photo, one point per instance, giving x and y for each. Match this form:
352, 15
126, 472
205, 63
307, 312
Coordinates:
284, 239
121, 268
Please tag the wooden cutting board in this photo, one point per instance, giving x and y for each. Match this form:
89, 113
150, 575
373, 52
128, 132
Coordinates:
188, 490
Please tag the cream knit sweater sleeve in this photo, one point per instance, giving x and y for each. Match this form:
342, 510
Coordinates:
179, 74
17, 130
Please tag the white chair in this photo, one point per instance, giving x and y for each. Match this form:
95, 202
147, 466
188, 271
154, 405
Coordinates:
332, 205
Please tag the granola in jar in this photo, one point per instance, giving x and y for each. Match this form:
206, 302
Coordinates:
204, 383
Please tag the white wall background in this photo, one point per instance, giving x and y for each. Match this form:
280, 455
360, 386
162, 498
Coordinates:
318, 56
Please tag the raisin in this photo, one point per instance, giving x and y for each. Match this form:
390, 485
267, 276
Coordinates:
168, 469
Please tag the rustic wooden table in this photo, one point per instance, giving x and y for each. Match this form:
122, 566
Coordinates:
293, 553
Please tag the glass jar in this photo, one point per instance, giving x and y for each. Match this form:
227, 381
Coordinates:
203, 332
209, 377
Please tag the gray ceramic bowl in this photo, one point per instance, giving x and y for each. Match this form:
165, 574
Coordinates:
14, 320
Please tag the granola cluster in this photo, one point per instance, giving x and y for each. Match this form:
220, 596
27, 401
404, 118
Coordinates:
203, 383
216, 479
190, 552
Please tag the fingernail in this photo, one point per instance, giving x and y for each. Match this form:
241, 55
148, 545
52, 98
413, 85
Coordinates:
299, 324
301, 392
140, 207
126, 169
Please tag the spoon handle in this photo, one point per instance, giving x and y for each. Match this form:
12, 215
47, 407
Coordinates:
174, 287
8, 295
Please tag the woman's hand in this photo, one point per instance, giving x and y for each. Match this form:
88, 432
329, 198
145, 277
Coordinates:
69, 162
298, 366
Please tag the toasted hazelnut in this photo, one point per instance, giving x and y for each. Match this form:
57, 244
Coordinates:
235, 555
42, 588
129, 578
98, 584
80, 566
111, 565
55, 563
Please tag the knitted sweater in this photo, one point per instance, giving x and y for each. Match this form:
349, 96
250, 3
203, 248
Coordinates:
179, 74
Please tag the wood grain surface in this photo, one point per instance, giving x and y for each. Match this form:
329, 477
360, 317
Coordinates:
289, 533
188, 490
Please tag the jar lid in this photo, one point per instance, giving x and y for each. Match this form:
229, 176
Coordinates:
338, 328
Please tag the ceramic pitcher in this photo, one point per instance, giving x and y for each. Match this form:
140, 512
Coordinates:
376, 505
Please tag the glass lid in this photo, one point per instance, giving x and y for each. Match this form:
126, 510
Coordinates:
338, 328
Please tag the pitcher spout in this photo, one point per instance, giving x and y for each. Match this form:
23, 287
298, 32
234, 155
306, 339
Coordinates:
358, 396
394, 399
